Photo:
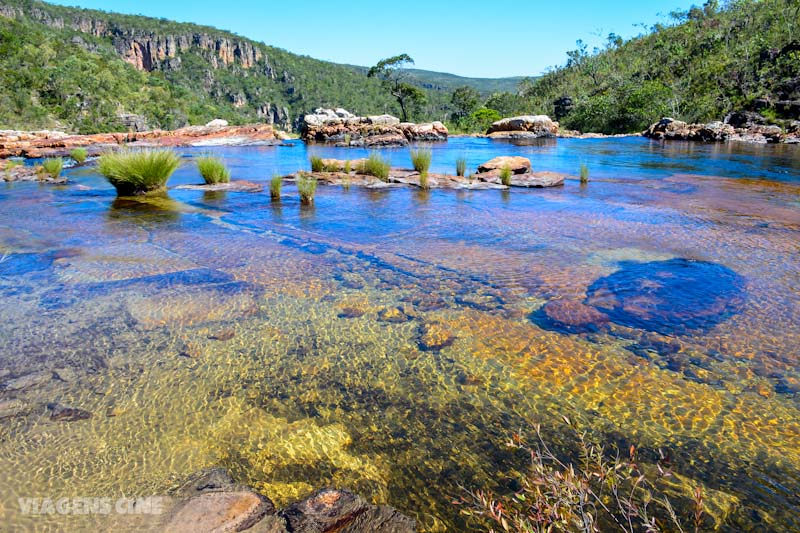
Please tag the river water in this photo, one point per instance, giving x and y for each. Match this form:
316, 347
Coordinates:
391, 341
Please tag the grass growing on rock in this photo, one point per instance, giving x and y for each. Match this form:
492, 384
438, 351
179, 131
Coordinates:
213, 169
53, 166
375, 165
317, 164
584, 174
307, 187
275, 187
505, 176
421, 159
461, 166
79, 155
138, 172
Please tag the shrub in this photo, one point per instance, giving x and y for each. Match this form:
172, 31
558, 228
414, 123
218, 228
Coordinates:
375, 165
53, 166
316, 164
421, 159
461, 166
584, 174
79, 155
275, 187
213, 169
306, 186
596, 494
138, 172
505, 176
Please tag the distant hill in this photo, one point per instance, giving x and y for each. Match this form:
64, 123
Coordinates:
442, 81
89, 71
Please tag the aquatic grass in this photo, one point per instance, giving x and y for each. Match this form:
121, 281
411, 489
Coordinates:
317, 164
347, 139
461, 166
423, 181
275, 187
137, 172
375, 165
53, 166
213, 169
307, 187
8, 166
331, 166
346, 183
599, 492
584, 173
505, 176
79, 155
347, 166
421, 159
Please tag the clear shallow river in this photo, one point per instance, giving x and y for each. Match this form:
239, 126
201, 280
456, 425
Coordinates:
390, 341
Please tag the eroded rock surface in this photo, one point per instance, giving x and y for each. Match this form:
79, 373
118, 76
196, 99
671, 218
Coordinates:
737, 127
524, 126
341, 127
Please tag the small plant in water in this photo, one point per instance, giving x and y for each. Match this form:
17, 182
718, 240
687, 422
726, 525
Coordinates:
347, 167
584, 174
213, 169
421, 159
601, 492
306, 186
275, 187
79, 155
316, 164
53, 166
375, 165
461, 166
138, 172
331, 166
9, 166
505, 176
347, 139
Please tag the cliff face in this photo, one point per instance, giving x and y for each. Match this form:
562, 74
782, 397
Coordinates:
144, 49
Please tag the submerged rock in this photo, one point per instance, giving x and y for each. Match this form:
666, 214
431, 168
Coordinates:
12, 408
569, 316
63, 413
393, 315
433, 336
28, 381
220, 511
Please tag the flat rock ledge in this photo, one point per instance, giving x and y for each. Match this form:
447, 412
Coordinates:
342, 128
58, 144
211, 501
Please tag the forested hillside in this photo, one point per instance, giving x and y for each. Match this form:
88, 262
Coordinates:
738, 55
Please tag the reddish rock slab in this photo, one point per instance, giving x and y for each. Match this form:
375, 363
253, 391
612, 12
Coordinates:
220, 512
517, 164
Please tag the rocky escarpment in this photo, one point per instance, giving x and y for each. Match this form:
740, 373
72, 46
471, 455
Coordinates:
148, 50
342, 127
741, 126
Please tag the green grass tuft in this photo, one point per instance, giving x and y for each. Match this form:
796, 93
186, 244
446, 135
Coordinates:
505, 176
213, 169
316, 164
347, 167
461, 166
53, 166
79, 155
307, 187
375, 165
275, 187
138, 172
584, 174
421, 159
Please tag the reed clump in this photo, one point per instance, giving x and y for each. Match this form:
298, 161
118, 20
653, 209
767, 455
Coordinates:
79, 155
584, 174
53, 166
213, 169
375, 165
505, 176
317, 165
461, 166
307, 188
275, 185
421, 160
138, 172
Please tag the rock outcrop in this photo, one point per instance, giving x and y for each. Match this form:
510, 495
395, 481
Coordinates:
521, 173
338, 126
527, 126
54, 143
747, 127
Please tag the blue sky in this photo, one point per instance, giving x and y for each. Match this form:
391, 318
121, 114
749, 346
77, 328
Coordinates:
466, 37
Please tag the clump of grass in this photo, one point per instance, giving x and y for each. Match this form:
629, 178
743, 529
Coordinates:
275, 187
423, 181
421, 159
346, 183
307, 187
598, 493
375, 165
8, 166
505, 176
41, 173
79, 155
347, 166
316, 164
213, 169
347, 139
461, 166
53, 166
331, 166
138, 172
584, 173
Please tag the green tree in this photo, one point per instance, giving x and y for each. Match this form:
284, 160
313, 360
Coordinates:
392, 73
465, 100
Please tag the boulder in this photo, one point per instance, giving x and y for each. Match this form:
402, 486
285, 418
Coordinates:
750, 130
538, 125
743, 119
217, 123
517, 164
220, 511
342, 127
